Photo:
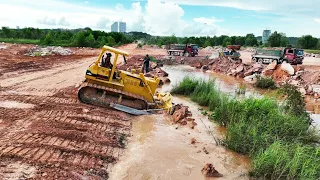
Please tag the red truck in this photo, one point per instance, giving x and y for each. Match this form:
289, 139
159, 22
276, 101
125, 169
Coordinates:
182, 49
290, 55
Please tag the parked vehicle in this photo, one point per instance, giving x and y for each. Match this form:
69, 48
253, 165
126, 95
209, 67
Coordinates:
231, 53
290, 55
182, 49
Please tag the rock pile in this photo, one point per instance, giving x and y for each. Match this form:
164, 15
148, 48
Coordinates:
50, 50
183, 116
209, 171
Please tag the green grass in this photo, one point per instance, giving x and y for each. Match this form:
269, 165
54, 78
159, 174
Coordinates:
312, 51
265, 83
20, 41
254, 125
287, 161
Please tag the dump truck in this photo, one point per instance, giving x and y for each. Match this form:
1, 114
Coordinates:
231, 53
182, 49
126, 91
289, 55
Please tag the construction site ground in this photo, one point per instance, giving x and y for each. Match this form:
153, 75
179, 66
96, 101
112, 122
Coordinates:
46, 133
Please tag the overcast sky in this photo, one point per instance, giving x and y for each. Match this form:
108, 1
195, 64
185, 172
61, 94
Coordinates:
166, 17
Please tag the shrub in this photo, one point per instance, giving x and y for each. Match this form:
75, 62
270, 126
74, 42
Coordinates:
265, 83
139, 45
287, 161
186, 86
256, 126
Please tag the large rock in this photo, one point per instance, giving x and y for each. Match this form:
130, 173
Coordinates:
248, 72
153, 65
239, 69
179, 114
205, 67
267, 72
209, 171
302, 91
287, 68
316, 88
251, 79
272, 66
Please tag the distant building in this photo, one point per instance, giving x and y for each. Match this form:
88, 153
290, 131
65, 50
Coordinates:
122, 27
119, 27
265, 36
114, 27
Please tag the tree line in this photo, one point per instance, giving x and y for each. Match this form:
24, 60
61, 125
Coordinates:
94, 38
78, 37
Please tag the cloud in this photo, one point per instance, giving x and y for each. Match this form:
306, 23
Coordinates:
102, 23
208, 21
63, 22
317, 20
47, 21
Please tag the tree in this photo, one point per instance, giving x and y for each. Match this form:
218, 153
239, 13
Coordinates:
274, 39
48, 39
251, 40
90, 41
226, 41
240, 40
284, 41
111, 41
207, 43
307, 42
6, 31
80, 39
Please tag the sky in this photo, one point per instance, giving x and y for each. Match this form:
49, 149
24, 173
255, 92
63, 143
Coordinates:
167, 17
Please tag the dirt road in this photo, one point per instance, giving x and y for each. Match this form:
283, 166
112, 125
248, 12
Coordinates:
45, 132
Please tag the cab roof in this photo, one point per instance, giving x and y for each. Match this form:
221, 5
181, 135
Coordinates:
114, 50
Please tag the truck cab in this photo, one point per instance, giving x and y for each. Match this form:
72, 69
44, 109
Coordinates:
293, 55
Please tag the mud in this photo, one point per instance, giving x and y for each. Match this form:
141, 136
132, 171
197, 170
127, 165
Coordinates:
162, 151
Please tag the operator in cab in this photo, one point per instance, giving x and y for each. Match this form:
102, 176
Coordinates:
106, 62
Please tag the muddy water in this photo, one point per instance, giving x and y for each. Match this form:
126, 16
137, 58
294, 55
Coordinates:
160, 150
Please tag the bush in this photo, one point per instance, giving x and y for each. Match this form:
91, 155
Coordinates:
139, 45
254, 126
186, 86
265, 83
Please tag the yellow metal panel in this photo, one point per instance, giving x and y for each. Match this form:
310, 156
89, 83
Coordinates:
114, 50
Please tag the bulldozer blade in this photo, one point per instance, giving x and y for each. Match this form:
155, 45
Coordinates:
129, 110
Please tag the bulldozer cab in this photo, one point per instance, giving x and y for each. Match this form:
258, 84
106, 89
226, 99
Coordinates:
108, 73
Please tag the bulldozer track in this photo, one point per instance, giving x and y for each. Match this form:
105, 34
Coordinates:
86, 84
57, 135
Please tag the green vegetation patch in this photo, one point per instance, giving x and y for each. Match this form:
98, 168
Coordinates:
254, 127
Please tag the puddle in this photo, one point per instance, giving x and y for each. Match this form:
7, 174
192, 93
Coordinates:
160, 150
15, 104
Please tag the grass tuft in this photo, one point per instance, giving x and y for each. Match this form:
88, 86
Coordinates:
257, 126
265, 83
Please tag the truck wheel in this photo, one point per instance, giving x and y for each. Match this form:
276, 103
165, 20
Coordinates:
254, 60
186, 54
260, 60
285, 60
274, 60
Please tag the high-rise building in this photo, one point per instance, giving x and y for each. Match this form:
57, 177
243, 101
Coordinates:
122, 27
265, 36
119, 27
114, 27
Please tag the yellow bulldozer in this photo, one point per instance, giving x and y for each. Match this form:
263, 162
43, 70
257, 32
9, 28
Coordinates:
130, 92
